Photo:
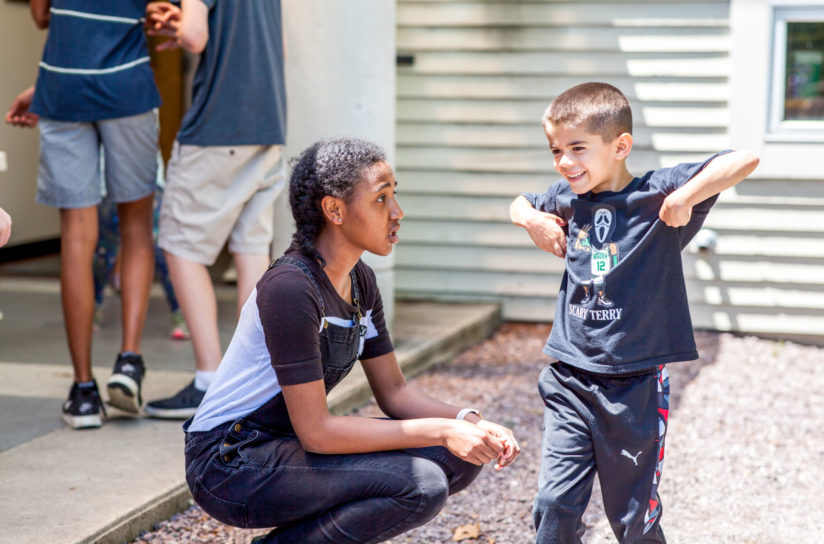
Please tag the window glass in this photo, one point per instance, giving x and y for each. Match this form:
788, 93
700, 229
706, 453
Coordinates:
804, 84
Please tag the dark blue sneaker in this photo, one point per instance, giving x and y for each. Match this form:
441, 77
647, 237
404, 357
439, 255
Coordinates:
82, 409
124, 384
182, 405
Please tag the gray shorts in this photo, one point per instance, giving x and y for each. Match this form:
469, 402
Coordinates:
79, 159
215, 193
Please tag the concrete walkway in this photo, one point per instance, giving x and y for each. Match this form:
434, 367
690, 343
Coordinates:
107, 485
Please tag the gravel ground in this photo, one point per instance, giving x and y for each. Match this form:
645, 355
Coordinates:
745, 447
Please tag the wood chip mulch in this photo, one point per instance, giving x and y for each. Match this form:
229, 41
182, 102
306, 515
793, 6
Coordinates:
744, 460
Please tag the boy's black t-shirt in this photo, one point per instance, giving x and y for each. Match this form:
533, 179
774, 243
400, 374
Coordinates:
622, 306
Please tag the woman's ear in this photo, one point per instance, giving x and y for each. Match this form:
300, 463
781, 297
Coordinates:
332, 209
623, 145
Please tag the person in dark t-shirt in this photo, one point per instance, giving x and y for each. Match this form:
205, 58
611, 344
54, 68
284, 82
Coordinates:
262, 449
226, 169
621, 314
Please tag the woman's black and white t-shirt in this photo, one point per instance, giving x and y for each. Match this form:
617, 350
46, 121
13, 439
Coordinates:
277, 342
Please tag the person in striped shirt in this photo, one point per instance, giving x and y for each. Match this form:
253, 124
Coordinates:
96, 101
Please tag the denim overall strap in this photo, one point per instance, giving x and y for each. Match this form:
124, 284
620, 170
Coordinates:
305, 269
355, 296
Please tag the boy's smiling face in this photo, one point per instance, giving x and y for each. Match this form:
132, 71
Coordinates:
586, 161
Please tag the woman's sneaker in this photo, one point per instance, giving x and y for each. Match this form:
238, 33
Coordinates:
124, 384
182, 405
82, 409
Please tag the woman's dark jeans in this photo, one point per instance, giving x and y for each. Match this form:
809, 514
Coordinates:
246, 476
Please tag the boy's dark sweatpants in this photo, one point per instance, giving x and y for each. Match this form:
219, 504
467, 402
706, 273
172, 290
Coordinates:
614, 425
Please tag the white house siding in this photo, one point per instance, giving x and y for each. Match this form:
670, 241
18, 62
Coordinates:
469, 139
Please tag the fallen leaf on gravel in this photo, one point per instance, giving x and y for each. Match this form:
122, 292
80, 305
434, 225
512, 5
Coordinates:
465, 532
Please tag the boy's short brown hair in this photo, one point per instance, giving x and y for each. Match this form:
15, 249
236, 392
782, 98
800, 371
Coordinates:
599, 107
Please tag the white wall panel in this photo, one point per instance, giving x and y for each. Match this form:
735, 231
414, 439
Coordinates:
469, 140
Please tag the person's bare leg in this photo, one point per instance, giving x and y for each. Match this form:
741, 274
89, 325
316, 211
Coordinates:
137, 268
196, 296
78, 239
250, 267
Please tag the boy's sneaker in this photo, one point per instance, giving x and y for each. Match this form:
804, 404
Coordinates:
179, 330
124, 384
182, 405
82, 409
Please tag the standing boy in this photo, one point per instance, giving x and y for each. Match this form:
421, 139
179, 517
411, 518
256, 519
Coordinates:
622, 311
96, 100
226, 168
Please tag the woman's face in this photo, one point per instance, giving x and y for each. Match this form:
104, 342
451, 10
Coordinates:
372, 216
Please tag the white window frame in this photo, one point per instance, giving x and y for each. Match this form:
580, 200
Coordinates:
778, 129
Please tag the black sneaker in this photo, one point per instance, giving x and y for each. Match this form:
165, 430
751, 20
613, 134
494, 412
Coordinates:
182, 405
82, 409
124, 384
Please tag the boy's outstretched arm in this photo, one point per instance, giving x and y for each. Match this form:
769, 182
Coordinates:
544, 228
721, 173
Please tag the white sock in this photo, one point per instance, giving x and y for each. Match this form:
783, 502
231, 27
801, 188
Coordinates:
203, 379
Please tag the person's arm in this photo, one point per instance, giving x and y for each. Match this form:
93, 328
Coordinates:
40, 12
194, 26
19, 114
5, 227
544, 228
400, 400
187, 26
290, 313
720, 174
321, 432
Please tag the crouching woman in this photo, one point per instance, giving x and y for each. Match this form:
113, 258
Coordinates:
263, 449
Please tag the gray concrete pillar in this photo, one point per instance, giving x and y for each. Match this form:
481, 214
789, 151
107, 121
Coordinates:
340, 81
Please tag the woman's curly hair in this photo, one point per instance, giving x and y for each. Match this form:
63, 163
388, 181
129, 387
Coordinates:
328, 167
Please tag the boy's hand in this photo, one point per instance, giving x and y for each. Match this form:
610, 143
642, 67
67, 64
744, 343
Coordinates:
545, 230
675, 212
19, 114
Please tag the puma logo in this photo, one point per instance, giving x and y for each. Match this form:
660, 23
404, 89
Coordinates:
634, 458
